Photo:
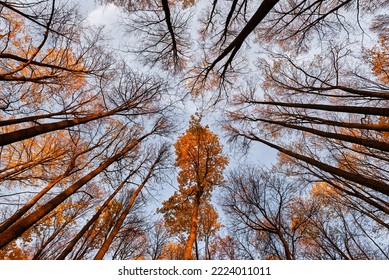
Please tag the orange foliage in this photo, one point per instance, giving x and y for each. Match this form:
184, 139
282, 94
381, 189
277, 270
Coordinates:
199, 157
380, 60
198, 83
28, 59
201, 163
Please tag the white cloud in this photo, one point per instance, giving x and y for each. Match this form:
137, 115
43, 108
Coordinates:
104, 15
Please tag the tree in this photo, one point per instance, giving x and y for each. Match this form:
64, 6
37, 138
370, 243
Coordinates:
259, 202
159, 160
282, 220
336, 118
201, 163
162, 29
337, 229
157, 240
69, 114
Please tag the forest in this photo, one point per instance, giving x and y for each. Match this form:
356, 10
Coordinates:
155, 149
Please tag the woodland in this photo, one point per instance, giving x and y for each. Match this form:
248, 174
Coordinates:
98, 160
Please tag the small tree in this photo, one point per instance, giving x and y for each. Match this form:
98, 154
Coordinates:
201, 163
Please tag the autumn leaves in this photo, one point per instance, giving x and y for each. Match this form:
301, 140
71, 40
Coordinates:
83, 146
201, 164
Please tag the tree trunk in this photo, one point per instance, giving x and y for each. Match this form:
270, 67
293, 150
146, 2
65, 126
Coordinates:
18, 228
75, 239
373, 184
25, 133
104, 248
193, 230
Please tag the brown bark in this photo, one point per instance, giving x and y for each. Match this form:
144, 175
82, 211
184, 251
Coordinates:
376, 111
18, 228
235, 45
24, 209
22, 134
356, 178
315, 120
168, 20
104, 248
383, 146
78, 236
193, 230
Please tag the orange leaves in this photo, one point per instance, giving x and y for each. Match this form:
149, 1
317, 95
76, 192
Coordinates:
323, 192
13, 252
201, 163
199, 157
380, 61
15, 27
27, 56
173, 251
35, 158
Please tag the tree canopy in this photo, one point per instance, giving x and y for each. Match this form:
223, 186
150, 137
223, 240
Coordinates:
86, 130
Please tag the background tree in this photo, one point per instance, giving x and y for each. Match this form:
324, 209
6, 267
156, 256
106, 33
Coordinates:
201, 163
335, 117
258, 202
69, 115
282, 220
162, 27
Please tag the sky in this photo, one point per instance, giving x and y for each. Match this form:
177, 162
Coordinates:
110, 17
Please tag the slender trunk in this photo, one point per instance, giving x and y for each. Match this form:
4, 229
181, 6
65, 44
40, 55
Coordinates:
32, 118
364, 110
193, 230
18, 228
75, 239
256, 19
356, 178
366, 126
104, 248
285, 244
23, 210
38, 254
168, 20
197, 249
382, 146
23, 134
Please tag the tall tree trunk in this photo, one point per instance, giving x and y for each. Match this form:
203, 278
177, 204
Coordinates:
78, 236
373, 184
379, 145
24, 209
104, 248
25, 133
193, 230
256, 19
18, 228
